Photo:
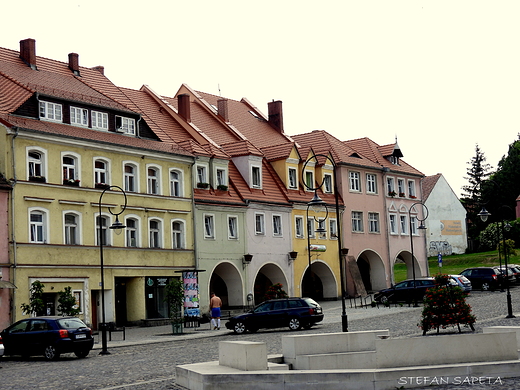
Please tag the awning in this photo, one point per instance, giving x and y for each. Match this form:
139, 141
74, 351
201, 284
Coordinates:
6, 284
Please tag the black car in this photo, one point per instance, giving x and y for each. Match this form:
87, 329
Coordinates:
406, 291
276, 313
485, 278
48, 336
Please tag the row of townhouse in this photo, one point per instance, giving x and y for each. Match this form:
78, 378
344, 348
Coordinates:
209, 189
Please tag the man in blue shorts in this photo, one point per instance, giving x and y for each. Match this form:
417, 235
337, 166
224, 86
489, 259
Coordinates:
215, 303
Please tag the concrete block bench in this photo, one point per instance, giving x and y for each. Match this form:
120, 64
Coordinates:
243, 355
505, 329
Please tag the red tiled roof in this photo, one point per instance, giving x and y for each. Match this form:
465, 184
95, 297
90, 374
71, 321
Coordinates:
428, 184
241, 148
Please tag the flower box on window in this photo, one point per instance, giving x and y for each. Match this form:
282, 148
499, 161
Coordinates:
402, 194
202, 185
71, 182
102, 186
38, 179
392, 193
413, 197
222, 187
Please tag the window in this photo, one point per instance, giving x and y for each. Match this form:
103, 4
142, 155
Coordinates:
298, 225
393, 224
322, 229
333, 228
371, 183
355, 181
155, 233
390, 186
310, 227
132, 232
100, 172
232, 227
125, 125
51, 111
221, 177
357, 221
309, 181
130, 178
293, 179
99, 120
153, 180
35, 161
327, 183
413, 225
71, 229
256, 177
373, 223
209, 226
175, 183
201, 174
404, 226
102, 223
277, 225
178, 235
79, 116
411, 189
259, 224
400, 187
69, 168
37, 227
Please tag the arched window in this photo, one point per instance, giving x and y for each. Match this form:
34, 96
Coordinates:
38, 227
178, 234
71, 225
101, 172
155, 233
153, 180
102, 224
175, 183
130, 178
132, 232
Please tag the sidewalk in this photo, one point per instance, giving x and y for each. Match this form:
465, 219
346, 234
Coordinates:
158, 334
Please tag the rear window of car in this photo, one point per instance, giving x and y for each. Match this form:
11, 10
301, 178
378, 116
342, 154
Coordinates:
311, 302
295, 304
71, 323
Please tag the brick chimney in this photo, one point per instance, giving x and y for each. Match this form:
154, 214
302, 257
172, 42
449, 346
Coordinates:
100, 69
274, 109
184, 106
222, 109
28, 52
74, 63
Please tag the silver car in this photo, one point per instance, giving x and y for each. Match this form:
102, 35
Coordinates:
462, 282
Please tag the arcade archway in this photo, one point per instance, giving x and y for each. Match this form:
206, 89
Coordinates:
372, 271
226, 283
319, 282
268, 275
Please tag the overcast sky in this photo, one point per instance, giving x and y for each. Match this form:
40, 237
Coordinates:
441, 76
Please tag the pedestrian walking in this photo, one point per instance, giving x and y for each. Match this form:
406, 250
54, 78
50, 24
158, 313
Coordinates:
215, 303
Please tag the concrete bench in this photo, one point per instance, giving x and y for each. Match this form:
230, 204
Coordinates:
505, 329
243, 355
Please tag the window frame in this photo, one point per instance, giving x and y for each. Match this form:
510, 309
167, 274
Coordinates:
333, 228
50, 111
176, 185
328, 183
311, 227
411, 189
209, 226
357, 221
32, 162
82, 113
401, 190
155, 234
107, 232
354, 181
256, 176
292, 177
134, 176
136, 230
76, 233
403, 223
76, 166
374, 224
371, 183
309, 180
390, 185
99, 116
126, 126
153, 183
299, 231
260, 224
232, 224
100, 172
37, 228
178, 235
392, 223
277, 225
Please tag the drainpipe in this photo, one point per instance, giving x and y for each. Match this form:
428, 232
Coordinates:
13, 236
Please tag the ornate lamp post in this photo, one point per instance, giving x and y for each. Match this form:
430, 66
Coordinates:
341, 251
421, 227
117, 227
484, 215
318, 206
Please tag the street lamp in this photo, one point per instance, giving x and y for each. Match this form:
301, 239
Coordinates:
422, 227
317, 205
118, 227
484, 215
341, 251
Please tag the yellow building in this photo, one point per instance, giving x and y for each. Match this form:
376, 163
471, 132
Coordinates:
76, 159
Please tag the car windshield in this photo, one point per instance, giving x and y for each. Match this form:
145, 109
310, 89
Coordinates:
71, 323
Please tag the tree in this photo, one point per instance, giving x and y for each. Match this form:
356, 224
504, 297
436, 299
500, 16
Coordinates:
36, 304
175, 299
67, 305
472, 199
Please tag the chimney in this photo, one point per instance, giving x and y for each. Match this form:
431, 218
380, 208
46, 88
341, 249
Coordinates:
74, 63
184, 106
28, 52
100, 69
222, 109
274, 109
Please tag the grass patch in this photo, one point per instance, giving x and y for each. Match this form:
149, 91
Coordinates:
455, 264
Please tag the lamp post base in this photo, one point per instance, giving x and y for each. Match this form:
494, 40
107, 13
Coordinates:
509, 306
344, 323
104, 346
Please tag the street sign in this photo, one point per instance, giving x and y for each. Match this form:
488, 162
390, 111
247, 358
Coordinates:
439, 257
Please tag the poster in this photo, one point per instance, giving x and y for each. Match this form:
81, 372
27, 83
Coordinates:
191, 294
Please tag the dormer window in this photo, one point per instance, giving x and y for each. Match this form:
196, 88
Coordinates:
51, 111
78, 116
99, 120
125, 125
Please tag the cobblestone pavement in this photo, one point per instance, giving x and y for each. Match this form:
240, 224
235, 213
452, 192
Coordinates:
148, 356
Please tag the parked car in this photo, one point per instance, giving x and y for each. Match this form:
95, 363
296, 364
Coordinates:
49, 336
1, 348
510, 272
276, 313
485, 278
516, 271
463, 282
405, 291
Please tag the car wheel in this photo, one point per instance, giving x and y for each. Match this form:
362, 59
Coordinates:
50, 352
384, 300
485, 286
239, 327
82, 353
294, 323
